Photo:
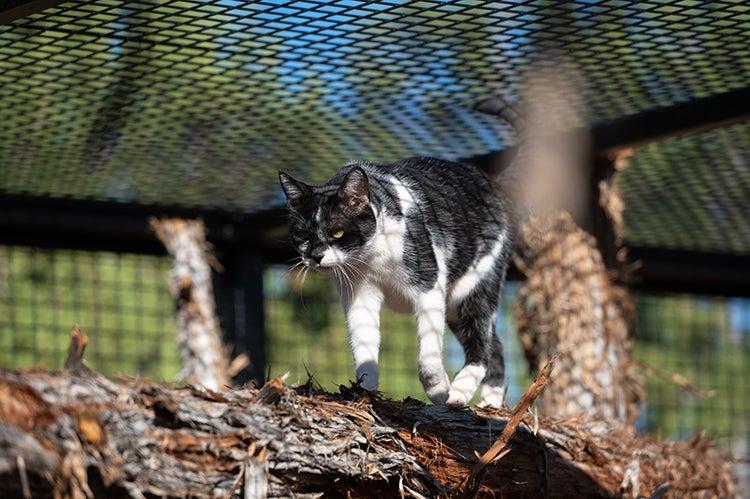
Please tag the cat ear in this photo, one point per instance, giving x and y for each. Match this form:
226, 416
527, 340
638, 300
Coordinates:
354, 193
294, 189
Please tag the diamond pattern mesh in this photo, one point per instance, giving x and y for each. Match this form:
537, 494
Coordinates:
691, 193
198, 103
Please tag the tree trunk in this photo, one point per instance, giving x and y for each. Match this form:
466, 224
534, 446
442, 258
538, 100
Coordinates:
204, 357
77, 434
570, 301
569, 304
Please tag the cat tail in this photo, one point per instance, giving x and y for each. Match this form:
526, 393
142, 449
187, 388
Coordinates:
546, 169
506, 168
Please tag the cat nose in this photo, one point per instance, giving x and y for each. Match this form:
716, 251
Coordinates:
317, 254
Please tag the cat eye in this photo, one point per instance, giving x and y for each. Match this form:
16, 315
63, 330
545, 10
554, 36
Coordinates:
337, 234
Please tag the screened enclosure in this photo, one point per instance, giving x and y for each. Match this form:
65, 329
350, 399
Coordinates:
112, 112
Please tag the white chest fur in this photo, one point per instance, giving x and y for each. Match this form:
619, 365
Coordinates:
389, 273
386, 253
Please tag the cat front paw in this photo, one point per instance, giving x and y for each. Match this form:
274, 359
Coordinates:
458, 398
438, 395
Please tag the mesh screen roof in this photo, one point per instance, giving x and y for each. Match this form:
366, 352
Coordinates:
691, 193
198, 103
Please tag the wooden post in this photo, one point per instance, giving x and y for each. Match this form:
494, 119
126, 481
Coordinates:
204, 357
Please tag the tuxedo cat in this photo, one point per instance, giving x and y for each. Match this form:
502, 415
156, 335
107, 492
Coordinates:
423, 236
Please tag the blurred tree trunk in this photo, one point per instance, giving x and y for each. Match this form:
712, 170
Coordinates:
205, 360
569, 303
569, 248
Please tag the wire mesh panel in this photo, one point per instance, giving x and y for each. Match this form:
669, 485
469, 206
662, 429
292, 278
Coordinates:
691, 192
707, 340
123, 100
120, 300
199, 102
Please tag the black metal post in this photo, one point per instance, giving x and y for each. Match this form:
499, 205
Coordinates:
248, 305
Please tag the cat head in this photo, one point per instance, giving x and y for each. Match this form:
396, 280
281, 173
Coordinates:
330, 225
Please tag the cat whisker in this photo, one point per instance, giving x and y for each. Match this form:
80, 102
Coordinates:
346, 278
304, 276
351, 280
363, 262
339, 280
354, 270
296, 265
342, 279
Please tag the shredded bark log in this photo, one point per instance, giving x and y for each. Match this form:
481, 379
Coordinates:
569, 299
78, 341
569, 296
500, 447
78, 434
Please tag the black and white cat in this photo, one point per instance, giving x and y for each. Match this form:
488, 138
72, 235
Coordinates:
423, 236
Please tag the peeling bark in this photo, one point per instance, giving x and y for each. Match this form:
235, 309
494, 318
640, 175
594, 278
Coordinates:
77, 434
204, 358
569, 304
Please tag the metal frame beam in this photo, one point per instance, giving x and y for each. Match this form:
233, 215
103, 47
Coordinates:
10, 10
677, 271
103, 226
117, 226
654, 125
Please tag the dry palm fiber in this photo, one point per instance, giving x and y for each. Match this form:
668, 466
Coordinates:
570, 303
205, 358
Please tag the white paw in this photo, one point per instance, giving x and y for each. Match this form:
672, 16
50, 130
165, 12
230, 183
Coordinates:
458, 398
438, 394
465, 384
492, 396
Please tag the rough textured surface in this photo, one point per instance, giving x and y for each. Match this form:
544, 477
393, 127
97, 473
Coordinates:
77, 434
568, 303
204, 358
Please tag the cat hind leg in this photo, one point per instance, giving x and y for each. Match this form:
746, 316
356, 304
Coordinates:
474, 327
492, 390
472, 332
